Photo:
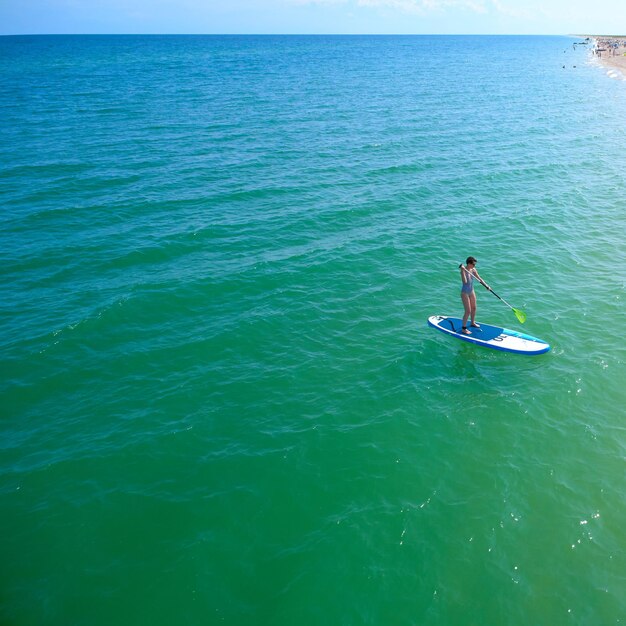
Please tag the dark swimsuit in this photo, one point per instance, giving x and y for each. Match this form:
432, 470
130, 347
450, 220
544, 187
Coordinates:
468, 287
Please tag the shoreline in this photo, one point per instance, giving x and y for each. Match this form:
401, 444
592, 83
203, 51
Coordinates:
610, 51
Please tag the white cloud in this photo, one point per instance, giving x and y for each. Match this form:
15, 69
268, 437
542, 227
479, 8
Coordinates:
320, 2
424, 7
518, 11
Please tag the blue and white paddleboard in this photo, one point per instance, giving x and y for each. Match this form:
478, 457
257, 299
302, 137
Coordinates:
490, 336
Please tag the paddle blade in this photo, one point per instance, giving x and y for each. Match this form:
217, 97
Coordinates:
521, 316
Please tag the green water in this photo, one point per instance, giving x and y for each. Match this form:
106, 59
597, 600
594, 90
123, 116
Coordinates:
220, 399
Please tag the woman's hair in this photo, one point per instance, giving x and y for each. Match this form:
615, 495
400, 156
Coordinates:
470, 259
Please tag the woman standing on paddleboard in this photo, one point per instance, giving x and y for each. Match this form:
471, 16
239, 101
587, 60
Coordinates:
468, 296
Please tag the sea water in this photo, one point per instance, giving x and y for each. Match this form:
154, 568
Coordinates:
220, 399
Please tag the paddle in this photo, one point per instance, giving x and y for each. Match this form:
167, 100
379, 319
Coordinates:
521, 316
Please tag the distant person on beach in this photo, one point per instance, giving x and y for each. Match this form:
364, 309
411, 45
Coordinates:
468, 296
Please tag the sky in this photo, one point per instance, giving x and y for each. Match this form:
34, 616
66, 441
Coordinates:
554, 17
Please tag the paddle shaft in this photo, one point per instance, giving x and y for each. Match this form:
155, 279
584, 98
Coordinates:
482, 282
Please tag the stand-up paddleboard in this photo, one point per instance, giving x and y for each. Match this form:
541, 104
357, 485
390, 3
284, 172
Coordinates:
490, 336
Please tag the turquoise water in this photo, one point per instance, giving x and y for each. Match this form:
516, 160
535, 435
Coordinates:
221, 402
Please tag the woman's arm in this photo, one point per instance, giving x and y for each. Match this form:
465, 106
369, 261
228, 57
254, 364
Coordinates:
482, 282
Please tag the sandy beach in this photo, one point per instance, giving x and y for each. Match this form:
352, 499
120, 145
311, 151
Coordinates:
610, 51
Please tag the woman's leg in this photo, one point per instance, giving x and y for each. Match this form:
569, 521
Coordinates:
472, 304
465, 297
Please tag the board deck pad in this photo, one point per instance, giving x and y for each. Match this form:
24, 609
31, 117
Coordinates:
495, 337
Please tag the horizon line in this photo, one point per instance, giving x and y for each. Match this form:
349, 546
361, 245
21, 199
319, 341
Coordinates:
165, 34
